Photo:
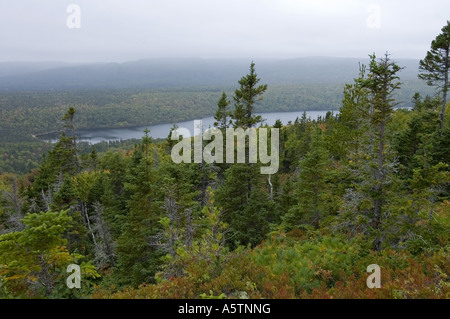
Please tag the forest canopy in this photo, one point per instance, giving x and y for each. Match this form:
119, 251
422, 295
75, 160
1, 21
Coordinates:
369, 185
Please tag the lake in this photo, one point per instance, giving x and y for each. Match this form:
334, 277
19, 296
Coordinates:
94, 136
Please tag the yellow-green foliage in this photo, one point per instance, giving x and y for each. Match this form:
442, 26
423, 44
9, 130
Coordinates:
304, 265
308, 262
240, 277
33, 261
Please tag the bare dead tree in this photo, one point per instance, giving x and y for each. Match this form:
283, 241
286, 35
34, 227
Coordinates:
14, 202
104, 250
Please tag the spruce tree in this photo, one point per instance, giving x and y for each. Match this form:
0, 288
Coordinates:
382, 81
245, 206
352, 119
435, 66
312, 187
222, 116
138, 261
371, 164
245, 99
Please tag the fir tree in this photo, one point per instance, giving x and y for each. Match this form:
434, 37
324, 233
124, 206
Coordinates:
312, 189
245, 99
435, 66
138, 261
222, 116
244, 210
372, 165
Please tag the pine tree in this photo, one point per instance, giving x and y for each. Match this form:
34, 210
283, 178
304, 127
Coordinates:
422, 126
222, 115
244, 210
245, 99
312, 188
297, 141
287, 197
138, 261
68, 123
435, 66
58, 165
382, 82
352, 119
371, 165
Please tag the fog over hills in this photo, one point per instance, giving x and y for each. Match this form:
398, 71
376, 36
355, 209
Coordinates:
20, 68
182, 72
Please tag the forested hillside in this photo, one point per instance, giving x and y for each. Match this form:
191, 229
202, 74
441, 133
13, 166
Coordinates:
368, 186
35, 96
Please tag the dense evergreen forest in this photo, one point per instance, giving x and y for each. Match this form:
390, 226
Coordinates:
131, 95
26, 117
368, 186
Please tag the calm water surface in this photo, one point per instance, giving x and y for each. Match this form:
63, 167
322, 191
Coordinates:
94, 136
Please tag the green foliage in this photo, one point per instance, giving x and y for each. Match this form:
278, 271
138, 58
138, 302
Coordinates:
311, 262
312, 189
435, 66
245, 99
33, 261
371, 163
222, 114
212, 296
369, 185
83, 184
246, 208
296, 142
137, 261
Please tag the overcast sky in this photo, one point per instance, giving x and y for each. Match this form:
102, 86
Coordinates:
123, 30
